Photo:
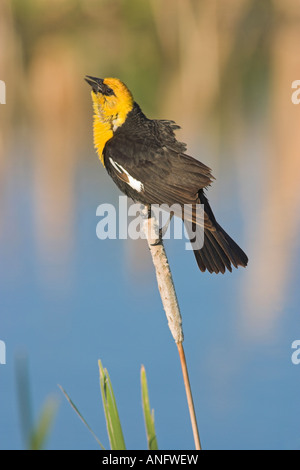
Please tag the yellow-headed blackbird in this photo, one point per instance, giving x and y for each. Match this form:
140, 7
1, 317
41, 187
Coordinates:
150, 166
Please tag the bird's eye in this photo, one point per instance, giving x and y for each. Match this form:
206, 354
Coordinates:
108, 91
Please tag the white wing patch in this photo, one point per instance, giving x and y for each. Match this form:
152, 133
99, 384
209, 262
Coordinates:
135, 184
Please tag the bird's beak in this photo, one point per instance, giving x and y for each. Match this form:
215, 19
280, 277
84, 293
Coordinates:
95, 83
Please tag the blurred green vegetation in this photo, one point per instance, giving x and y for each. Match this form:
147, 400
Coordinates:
113, 38
204, 63
196, 59
35, 432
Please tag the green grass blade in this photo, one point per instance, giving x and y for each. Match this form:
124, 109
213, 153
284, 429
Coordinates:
81, 417
41, 432
148, 415
113, 424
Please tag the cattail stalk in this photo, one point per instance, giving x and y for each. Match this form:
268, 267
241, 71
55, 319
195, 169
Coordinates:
170, 304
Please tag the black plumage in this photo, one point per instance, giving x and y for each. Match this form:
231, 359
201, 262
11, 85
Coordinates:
147, 151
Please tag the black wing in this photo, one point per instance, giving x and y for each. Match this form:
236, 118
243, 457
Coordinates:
154, 172
165, 176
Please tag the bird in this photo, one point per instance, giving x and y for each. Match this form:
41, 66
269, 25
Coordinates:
149, 165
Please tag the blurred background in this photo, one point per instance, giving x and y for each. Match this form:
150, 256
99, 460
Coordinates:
223, 71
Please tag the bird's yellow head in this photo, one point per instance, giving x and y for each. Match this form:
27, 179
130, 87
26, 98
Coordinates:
112, 101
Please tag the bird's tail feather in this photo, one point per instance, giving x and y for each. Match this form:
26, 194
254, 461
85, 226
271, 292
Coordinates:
219, 252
